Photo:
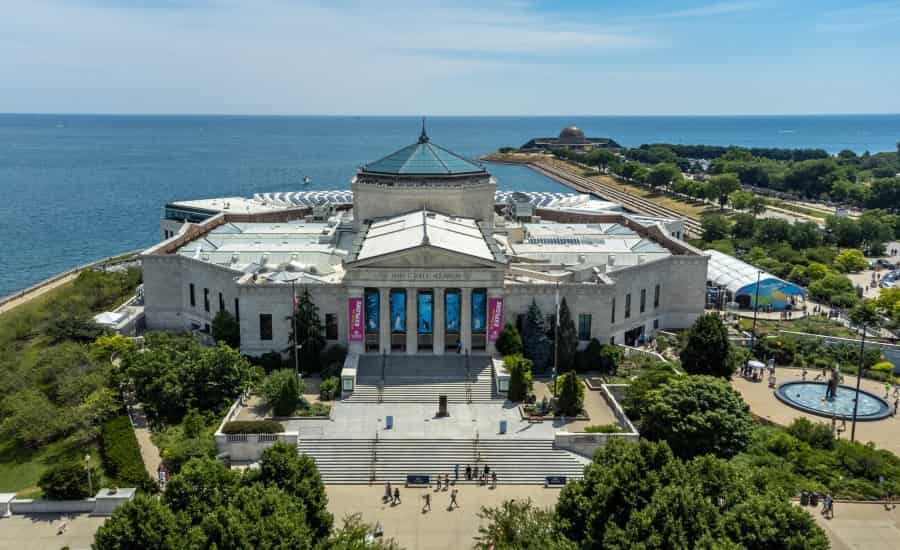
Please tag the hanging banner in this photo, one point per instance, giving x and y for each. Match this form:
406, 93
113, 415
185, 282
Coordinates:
373, 311
479, 312
451, 312
398, 311
495, 318
426, 314
355, 319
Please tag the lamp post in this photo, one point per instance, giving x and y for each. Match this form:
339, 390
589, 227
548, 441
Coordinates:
87, 466
859, 373
755, 311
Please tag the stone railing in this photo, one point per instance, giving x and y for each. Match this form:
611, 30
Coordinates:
247, 448
586, 444
103, 504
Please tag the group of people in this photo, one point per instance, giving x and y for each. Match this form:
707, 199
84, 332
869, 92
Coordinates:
426, 507
483, 477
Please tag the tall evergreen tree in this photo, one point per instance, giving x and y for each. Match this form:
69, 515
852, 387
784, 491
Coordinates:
534, 338
567, 343
707, 347
310, 329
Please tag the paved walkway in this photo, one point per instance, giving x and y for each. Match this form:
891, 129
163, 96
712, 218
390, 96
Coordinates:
861, 526
438, 529
763, 403
28, 296
41, 531
149, 451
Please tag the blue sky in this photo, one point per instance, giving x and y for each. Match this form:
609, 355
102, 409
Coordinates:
450, 58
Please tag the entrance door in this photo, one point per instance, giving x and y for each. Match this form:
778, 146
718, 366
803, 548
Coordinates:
425, 319
451, 319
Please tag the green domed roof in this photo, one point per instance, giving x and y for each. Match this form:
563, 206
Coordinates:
425, 158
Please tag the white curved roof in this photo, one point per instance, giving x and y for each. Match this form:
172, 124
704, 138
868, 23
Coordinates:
729, 272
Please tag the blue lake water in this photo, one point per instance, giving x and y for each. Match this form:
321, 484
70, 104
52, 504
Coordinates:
74, 188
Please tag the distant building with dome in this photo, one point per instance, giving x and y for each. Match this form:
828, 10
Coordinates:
570, 137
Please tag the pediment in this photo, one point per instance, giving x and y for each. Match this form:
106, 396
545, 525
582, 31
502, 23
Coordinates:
426, 257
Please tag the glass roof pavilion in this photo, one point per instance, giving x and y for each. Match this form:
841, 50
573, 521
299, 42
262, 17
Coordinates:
423, 158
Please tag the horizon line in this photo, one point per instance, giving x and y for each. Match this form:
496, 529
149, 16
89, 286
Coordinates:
352, 115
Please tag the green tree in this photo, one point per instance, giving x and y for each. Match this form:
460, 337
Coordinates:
706, 351
297, 475
202, 486
309, 327
536, 344
520, 383
741, 200
66, 481
283, 391
663, 174
714, 227
509, 342
764, 522
723, 185
71, 324
569, 393
519, 525
850, 261
567, 339
143, 523
354, 535
697, 415
833, 289
225, 328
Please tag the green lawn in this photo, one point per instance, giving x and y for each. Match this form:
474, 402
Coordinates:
21, 468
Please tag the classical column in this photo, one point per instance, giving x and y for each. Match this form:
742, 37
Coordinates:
465, 318
438, 322
384, 321
354, 347
412, 321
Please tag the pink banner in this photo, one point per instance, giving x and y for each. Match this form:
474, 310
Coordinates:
495, 318
355, 319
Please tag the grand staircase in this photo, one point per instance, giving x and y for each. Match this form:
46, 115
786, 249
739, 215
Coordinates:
413, 379
516, 460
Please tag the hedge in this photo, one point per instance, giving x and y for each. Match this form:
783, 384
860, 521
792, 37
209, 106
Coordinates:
122, 455
253, 427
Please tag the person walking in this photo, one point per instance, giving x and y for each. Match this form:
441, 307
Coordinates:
468, 472
427, 506
453, 502
388, 495
396, 496
494, 479
456, 472
896, 403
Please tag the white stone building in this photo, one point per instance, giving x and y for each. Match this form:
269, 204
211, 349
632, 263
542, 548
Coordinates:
423, 261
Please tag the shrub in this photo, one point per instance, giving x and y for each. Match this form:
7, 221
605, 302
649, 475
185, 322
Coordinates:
816, 434
570, 393
610, 357
706, 351
283, 391
509, 342
315, 409
225, 328
253, 427
122, 455
329, 388
520, 382
65, 482
270, 361
603, 429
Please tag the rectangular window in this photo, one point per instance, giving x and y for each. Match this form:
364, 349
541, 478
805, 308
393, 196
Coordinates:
656, 297
193, 296
612, 340
643, 299
612, 312
206, 299
331, 329
221, 302
628, 306
237, 310
584, 326
656, 323
265, 326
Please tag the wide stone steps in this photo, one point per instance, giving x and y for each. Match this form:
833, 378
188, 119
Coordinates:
516, 461
424, 392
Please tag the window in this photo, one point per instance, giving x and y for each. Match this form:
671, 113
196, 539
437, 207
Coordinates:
655, 324
584, 326
221, 302
612, 340
193, 296
550, 324
612, 316
206, 299
643, 299
265, 326
237, 310
628, 305
656, 297
331, 329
